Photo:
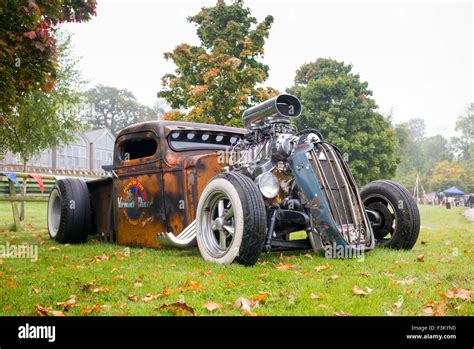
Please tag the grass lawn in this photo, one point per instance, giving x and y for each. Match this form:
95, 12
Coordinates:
105, 279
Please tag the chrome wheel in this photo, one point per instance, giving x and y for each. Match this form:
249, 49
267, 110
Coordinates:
217, 224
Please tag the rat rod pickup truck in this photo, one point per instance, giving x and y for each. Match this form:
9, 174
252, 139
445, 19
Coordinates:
236, 192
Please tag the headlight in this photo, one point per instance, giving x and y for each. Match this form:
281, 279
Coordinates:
268, 184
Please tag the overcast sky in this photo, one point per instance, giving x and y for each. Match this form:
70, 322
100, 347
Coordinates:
416, 56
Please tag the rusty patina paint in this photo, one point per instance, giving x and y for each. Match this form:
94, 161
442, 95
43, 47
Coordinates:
164, 188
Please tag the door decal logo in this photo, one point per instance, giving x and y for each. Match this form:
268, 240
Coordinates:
133, 200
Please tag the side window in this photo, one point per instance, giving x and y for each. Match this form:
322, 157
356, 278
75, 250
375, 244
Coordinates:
137, 146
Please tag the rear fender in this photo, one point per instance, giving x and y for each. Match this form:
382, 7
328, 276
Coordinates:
101, 195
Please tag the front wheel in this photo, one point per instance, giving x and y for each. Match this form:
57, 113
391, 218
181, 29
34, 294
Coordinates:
400, 218
231, 220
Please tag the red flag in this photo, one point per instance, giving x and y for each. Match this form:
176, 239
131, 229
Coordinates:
39, 179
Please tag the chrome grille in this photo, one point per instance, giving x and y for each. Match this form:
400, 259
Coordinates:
341, 194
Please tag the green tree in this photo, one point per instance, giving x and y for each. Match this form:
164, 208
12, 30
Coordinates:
216, 81
465, 126
338, 104
435, 149
28, 51
468, 166
114, 109
418, 153
45, 120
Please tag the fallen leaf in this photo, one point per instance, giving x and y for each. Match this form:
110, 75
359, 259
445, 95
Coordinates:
101, 289
148, 298
167, 292
409, 281
87, 286
34, 289
462, 294
205, 273
341, 313
132, 297
57, 313
398, 304
420, 258
439, 311
1, 261
54, 248
11, 283
323, 306
177, 308
68, 303
260, 297
334, 277
250, 313
87, 311
190, 285
321, 267
309, 256
286, 266
246, 304
40, 310
359, 292
314, 296
102, 257
211, 306
430, 311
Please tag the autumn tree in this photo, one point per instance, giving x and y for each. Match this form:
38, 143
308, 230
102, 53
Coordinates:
340, 105
216, 81
28, 52
43, 120
446, 174
114, 109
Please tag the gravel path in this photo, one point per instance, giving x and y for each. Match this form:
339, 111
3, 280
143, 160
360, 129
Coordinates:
469, 213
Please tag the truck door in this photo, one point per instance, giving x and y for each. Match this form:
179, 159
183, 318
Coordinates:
138, 191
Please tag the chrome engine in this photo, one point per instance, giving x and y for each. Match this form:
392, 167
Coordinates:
304, 180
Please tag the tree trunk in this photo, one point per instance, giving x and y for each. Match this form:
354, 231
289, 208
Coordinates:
23, 191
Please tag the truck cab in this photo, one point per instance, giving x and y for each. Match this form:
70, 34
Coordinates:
159, 170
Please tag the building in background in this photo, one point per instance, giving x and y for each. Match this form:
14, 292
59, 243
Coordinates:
88, 153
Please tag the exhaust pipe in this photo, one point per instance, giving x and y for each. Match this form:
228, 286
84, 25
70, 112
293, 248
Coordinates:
281, 108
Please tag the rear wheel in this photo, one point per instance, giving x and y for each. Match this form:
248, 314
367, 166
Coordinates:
69, 211
400, 223
231, 220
